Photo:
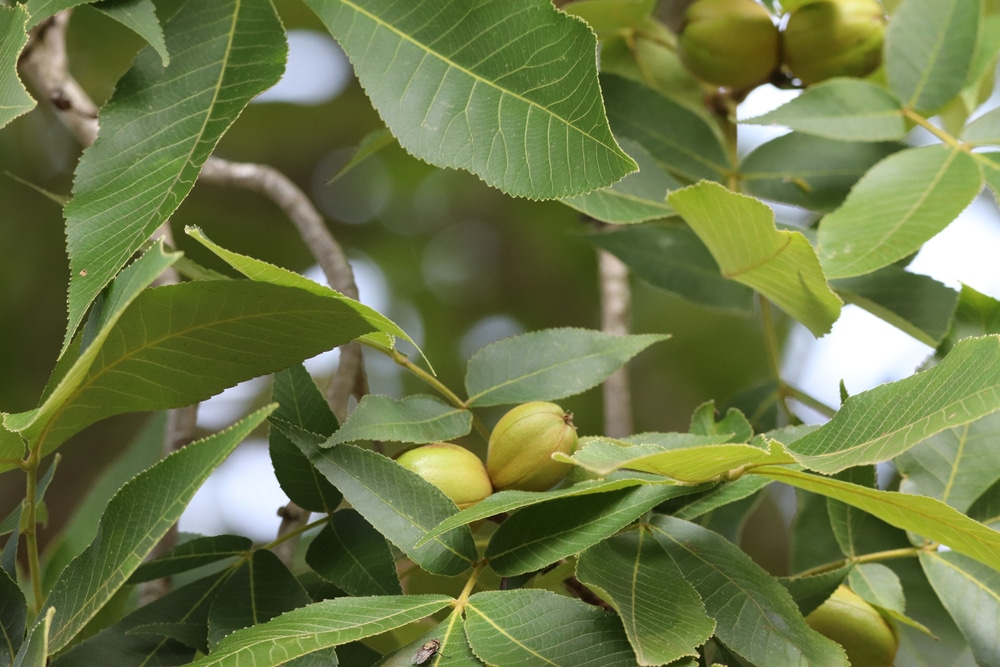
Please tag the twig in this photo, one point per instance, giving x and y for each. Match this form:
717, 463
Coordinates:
615, 300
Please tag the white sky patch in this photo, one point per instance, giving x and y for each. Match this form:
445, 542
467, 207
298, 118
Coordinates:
317, 70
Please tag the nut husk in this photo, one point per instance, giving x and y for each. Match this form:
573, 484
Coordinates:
522, 444
866, 636
731, 43
459, 473
833, 38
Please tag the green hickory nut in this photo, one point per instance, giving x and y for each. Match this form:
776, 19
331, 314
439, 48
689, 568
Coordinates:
866, 636
522, 444
833, 38
455, 470
731, 43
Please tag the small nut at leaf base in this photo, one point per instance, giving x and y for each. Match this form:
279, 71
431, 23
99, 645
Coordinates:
732, 43
522, 444
868, 638
455, 470
833, 38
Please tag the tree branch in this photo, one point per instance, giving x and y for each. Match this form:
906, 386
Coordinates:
615, 301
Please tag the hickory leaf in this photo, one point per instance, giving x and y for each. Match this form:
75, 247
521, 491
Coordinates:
14, 99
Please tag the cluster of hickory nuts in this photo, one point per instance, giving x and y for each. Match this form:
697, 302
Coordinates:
738, 44
519, 456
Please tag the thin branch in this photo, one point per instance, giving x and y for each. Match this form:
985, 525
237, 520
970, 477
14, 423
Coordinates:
615, 302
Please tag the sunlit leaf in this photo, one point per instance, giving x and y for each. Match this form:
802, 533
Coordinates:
542, 629
925, 516
741, 235
879, 585
542, 534
845, 109
416, 418
135, 520
548, 365
14, 99
929, 45
398, 502
662, 613
756, 617
130, 180
809, 171
679, 139
984, 130
899, 204
881, 423
971, 594
318, 626
512, 97
668, 255
702, 459
721, 495
354, 556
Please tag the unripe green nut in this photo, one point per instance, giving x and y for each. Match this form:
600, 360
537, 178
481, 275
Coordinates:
833, 38
732, 43
522, 444
868, 639
459, 473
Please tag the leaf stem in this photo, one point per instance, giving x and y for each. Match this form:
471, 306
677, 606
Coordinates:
30, 526
808, 400
463, 597
773, 350
299, 530
933, 129
875, 557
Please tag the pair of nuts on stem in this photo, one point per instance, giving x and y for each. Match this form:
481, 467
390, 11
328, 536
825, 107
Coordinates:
519, 456
736, 44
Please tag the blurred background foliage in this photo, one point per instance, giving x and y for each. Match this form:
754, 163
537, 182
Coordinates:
454, 262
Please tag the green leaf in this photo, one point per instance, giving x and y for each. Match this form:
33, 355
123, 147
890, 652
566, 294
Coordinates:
692, 460
663, 615
720, 496
957, 465
929, 187
171, 348
977, 314
913, 303
301, 404
139, 16
786, 169
537, 536
755, 616
14, 99
257, 592
610, 15
318, 626
847, 522
398, 502
991, 170
418, 419
167, 631
35, 651
679, 139
352, 555
370, 144
983, 130
881, 423
740, 233
12, 448
135, 520
929, 46
13, 618
508, 501
547, 365
130, 180
541, 629
668, 255
971, 594
845, 109
193, 554
811, 591
638, 197
925, 516
511, 97
879, 585
453, 646
261, 271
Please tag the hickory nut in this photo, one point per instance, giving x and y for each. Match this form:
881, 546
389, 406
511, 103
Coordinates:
522, 444
833, 38
732, 43
868, 639
459, 473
